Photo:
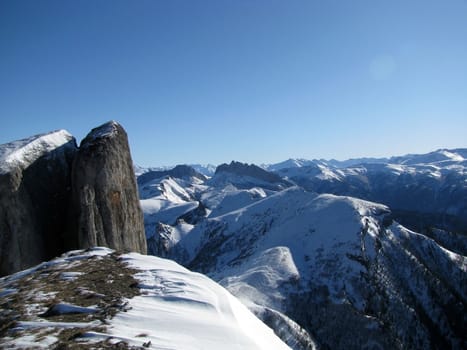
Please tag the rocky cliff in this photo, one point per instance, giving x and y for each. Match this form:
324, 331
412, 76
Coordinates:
34, 189
105, 203
55, 197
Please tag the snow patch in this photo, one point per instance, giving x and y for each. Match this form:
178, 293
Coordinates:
106, 130
65, 308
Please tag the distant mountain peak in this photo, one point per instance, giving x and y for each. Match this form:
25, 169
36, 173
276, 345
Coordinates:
180, 172
243, 175
244, 169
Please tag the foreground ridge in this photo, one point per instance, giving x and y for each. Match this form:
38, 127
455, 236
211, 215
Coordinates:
107, 300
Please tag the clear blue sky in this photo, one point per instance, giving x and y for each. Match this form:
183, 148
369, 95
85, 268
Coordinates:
256, 81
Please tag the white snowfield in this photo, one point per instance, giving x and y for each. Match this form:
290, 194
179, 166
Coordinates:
177, 309
24, 152
180, 309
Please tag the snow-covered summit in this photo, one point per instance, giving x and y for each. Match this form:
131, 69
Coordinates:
439, 157
289, 163
24, 152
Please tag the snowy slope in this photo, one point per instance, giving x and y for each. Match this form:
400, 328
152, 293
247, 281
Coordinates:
165, 201
26, 151
193, 312
337, 266
174, 308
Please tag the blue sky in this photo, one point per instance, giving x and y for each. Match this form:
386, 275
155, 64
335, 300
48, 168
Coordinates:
255, 81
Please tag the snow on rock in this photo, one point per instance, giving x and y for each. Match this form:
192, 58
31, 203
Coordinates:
26, 151
70, 275
34, 190
66, 308
108, 129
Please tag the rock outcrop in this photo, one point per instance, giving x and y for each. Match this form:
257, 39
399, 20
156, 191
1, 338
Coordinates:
34, 189
251, 170
55, 197
244, 175
105, 204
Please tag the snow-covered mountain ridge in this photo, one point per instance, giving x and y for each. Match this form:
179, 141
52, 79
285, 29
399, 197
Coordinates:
423, 191
325, 270
440, 155
437, 157
130, 301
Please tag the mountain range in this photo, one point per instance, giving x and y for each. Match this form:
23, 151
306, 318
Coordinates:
358, 254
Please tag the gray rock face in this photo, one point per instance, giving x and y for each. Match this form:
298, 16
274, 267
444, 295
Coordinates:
248, 170
34, 189
55, 197
105, 206
243, 175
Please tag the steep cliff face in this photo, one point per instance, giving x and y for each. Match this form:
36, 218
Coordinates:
105, 207
55, 197
34, 189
